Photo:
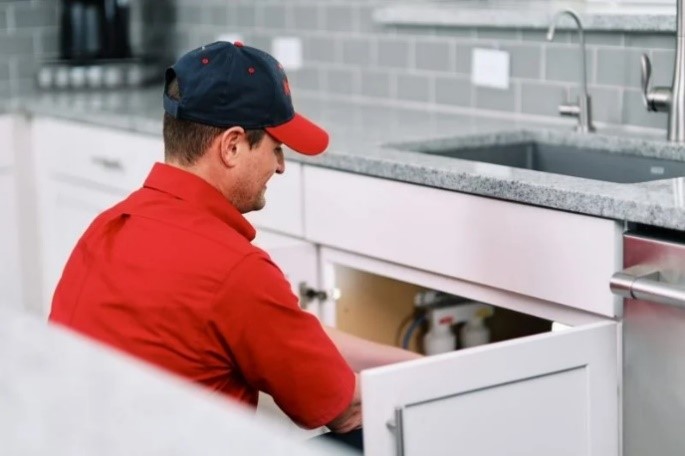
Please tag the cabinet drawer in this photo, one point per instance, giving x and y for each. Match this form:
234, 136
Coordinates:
550, 255
283, 210
6, 143
109, 158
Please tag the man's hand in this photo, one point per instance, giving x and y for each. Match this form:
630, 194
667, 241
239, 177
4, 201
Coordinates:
351, 418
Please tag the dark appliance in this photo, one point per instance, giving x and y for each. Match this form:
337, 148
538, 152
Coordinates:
94, 30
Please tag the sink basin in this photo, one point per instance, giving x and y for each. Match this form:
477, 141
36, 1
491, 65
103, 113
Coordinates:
570, 161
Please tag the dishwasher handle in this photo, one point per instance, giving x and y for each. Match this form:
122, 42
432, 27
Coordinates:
636, 283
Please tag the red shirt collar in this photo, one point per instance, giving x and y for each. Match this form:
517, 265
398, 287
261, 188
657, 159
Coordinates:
195, 190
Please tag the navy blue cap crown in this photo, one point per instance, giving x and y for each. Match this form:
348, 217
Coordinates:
225, 85
232, 85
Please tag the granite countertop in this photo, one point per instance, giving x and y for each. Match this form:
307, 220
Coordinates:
597, 16
360, 134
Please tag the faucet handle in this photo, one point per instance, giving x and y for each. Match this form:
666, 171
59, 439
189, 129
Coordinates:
657, 98
646, 74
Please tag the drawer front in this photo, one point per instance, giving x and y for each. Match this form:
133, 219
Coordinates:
106, 157
6, 142
283, 210
550, 255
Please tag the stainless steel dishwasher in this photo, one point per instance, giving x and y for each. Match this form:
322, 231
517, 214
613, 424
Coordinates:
653, 283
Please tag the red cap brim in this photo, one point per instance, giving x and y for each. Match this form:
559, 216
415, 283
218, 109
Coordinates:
301, 135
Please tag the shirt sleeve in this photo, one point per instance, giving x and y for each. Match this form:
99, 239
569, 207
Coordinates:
279, 348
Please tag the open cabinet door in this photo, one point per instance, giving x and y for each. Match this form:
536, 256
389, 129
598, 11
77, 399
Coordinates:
549, 394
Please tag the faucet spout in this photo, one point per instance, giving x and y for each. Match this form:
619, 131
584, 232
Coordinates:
582, 110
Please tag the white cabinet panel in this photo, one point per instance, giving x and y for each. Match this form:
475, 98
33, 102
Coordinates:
111, 158
80, 171
69, 210
6, 142
550, 255
10, 266
283, 210
553, 393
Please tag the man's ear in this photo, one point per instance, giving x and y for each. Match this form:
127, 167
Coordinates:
230, 145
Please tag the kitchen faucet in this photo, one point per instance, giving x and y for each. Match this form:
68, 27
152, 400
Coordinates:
671, 99
582, 109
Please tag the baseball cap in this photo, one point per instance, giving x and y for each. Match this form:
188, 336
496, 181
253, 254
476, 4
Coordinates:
229, 84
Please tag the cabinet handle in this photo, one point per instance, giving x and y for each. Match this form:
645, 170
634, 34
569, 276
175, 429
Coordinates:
396, 426
308, 294
109, 164
646, 285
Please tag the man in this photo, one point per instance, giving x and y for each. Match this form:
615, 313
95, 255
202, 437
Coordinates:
170, 274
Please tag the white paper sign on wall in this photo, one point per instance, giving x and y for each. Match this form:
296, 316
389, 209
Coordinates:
490, 68
288, 51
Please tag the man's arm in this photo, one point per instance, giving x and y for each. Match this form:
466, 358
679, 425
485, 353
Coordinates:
363, 354
351, 418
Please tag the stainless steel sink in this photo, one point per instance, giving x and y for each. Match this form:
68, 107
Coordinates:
570, 161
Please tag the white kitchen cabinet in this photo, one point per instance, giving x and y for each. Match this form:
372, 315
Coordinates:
551, 393
81, 170
555, 256
283, 212
10, 259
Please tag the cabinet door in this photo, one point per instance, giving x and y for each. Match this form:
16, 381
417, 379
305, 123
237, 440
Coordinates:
554, 393
69, 210
10, 267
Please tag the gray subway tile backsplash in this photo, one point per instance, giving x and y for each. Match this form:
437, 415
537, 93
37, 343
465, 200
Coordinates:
542, 99
663, 63
606, 103
491, 34
17, 42
496, 99
321, 49
340, 19
650, 41
618, 67
357, 51
563, 63
308, 78
306, 17
346, 52
376, 84
433, 55
525, 60
453, 90
413, 88
246, 15
27, 15
272, 17
393, 53
341, 81
4, 71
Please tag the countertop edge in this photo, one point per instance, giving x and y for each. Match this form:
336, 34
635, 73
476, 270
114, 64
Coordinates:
453, 16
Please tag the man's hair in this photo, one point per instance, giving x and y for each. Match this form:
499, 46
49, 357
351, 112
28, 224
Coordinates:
186, 141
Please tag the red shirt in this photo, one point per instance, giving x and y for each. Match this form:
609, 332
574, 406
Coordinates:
170, 275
